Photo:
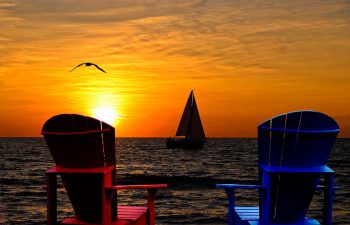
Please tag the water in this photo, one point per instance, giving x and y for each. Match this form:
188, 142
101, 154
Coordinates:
191, 174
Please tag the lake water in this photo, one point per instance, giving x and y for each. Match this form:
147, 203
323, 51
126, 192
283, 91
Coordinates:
191, 197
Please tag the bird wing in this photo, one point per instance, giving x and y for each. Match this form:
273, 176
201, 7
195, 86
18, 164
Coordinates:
76, 67
99, 68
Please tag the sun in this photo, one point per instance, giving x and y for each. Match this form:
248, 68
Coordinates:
107, 114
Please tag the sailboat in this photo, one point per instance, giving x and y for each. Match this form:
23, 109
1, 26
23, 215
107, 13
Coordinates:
190, 133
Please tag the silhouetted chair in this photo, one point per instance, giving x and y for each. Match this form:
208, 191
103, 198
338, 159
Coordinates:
293, 150
83, 149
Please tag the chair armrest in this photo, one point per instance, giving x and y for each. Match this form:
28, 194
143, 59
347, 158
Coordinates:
230, 191
239, 186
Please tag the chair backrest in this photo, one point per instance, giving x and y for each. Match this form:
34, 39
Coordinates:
77, 141
298, 139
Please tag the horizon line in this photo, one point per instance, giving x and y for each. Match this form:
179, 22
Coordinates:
155, 137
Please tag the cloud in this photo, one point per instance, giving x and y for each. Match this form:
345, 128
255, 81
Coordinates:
89, 11
7, 5
192, 36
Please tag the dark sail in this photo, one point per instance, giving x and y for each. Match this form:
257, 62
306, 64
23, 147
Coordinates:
186, 117
195, 129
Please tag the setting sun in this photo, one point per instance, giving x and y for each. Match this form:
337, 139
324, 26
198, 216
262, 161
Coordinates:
107, 114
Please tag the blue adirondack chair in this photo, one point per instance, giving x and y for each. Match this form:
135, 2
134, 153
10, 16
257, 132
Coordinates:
293, 150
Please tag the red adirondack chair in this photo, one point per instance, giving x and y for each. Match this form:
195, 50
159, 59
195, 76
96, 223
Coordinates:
83, 150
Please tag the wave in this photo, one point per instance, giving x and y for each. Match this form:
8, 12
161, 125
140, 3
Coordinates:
179, 181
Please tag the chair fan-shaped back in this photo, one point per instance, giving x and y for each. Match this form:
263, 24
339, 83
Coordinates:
301, 139
77, 141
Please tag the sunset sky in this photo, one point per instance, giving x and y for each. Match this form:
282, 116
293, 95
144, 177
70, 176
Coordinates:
246, 60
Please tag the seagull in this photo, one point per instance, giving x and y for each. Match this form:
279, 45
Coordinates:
88, 64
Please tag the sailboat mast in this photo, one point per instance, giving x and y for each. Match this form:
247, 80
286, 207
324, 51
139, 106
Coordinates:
192, 96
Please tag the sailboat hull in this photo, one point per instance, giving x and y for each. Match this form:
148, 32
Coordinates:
184, 143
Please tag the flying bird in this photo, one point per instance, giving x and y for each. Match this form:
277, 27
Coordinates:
88, 64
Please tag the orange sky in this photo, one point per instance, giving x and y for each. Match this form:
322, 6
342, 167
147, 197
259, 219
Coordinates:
247, 61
